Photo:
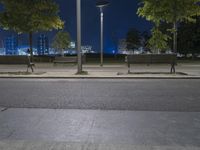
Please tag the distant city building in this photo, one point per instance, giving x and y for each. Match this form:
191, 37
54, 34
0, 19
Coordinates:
72, 45
43, 45
22, 50
2, 51
87, 49
72, 49
11, 45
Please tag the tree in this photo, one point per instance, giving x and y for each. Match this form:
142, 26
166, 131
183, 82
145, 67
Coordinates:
133, 39
189, 38
145, 36
29, 16
61, 41
169, 11
158, 42
166, 28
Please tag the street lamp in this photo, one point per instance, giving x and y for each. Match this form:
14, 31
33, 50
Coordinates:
78, 14
101, 4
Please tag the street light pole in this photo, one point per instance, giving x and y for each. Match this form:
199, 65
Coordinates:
78, 14
101, 47
101, 4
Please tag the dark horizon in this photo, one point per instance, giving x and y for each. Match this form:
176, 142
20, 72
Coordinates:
119, 17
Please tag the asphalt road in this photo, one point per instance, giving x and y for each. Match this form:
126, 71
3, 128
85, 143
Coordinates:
139, 95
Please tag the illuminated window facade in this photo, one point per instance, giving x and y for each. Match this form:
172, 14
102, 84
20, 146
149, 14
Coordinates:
11, 45
43, 45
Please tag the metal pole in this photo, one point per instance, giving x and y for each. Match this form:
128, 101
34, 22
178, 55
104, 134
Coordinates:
175, 38
101, 11
78, 9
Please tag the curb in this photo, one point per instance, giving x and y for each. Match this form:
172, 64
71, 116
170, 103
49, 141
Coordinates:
82, 77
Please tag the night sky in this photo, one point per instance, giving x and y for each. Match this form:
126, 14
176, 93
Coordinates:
119, 16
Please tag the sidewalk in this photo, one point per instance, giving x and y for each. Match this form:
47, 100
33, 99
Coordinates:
48, 70
48, 129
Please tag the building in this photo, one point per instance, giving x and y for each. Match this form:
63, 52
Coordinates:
2, 51
43, 45
72, 45
22, 50
11, 45
86, 49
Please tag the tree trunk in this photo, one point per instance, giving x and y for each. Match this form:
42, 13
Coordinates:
175, 37
31, 44
193, 56
185, 55
62, 53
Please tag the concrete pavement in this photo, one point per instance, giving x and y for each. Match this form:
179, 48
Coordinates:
30, 145
48, 70
32, 129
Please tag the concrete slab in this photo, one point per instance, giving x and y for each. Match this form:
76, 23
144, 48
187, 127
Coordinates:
25, 145
161, 129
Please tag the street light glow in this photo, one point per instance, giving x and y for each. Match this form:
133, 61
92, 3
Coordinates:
102, 4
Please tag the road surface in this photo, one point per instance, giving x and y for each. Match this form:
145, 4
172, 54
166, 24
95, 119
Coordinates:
99, 114
137, 95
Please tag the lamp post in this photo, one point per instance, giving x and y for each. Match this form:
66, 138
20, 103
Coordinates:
101, 4
78, 14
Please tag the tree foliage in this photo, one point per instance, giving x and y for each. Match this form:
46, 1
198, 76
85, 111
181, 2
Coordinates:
145, 36
158, 42
25, 16
189, 38
169, 11
61, 41
29, 16
166, 28
133, 39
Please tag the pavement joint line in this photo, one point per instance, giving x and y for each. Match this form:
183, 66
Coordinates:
97, 110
